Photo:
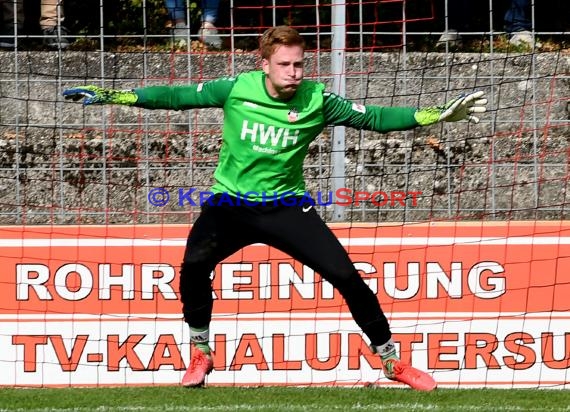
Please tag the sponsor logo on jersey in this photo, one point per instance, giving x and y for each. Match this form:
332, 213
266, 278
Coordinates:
358, 108
293, 115
267, 135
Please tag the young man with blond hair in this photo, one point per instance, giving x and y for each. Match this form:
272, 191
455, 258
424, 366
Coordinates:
277, 97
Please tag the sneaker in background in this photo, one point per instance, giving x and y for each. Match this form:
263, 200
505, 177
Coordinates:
523, 38
209, 35
180, 33
56, 37
7, 39
450, 37
7, 42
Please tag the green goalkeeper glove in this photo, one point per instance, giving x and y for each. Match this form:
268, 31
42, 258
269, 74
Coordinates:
99, 95
460, 108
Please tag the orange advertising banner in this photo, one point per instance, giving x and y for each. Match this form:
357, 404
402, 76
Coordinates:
476, 304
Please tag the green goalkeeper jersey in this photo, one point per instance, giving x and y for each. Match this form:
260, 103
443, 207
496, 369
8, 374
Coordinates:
264, 139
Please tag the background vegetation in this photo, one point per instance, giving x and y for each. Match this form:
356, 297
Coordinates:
145, 22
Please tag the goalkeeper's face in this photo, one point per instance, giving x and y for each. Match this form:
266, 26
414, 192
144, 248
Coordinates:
284, 71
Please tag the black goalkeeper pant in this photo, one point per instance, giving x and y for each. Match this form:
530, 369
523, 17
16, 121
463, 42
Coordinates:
222, 230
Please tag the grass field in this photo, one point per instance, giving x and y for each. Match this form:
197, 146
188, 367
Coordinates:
280, 399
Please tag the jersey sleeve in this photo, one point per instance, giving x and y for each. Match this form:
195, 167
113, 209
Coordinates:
339, 111
213, 93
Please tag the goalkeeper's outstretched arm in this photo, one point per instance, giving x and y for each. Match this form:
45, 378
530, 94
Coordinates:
213, 93
340, 111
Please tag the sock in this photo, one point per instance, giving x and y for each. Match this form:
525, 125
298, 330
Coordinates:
200, 338
386, 351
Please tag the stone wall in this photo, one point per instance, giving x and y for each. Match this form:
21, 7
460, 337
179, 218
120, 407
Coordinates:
61, 162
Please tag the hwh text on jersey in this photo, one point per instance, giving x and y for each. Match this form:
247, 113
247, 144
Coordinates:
266, 134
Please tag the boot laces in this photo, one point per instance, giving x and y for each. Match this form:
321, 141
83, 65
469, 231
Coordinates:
198, 359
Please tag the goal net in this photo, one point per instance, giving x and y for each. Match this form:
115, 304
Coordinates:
460, 229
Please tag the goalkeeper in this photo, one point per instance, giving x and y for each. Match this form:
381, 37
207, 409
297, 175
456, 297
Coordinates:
270, 118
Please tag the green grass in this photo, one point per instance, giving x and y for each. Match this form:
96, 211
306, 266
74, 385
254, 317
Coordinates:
276, 399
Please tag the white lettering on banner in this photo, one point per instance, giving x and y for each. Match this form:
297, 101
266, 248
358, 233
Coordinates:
367, 268
32, 276
73, 293
238, 276
305, 285
436, 280
235, 277
264, 281
496, 285
157, 276
262, 134
476, 305
125, 281
36, 277
229, 281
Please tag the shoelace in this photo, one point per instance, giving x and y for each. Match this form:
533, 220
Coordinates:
394, 367
197, 360
399, 367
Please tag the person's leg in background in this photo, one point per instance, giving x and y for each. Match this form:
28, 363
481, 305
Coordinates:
177, 21
11, 23
51, 19
208, 32
517, 16
458, 20
518, 23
